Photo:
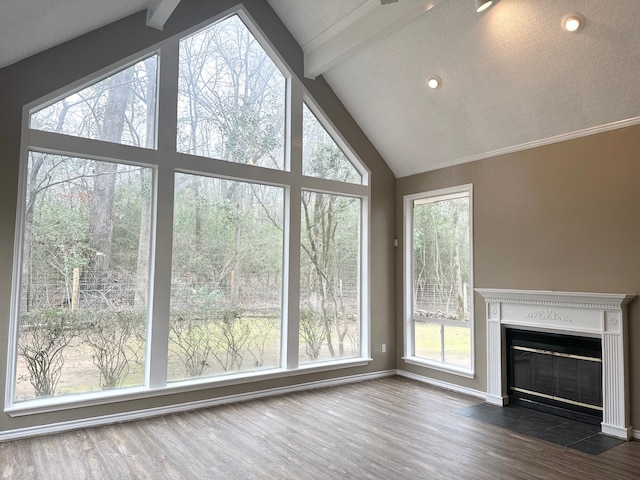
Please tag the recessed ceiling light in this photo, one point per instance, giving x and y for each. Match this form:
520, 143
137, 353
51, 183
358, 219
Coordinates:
434, 82
482, 5
573, 22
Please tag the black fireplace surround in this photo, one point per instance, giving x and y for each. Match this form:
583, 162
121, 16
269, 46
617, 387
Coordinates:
557, 373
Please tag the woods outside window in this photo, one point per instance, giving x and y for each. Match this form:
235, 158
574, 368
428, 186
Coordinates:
208, 226
439, 279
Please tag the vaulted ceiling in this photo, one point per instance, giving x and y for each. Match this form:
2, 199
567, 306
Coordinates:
511, 77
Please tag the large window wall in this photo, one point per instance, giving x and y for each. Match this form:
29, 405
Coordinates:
187, 218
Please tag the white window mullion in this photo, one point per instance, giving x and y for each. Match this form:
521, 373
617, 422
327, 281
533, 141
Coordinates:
408, 276
332, 186
291, 300
365, 280
167, 113
158, 331
68, 145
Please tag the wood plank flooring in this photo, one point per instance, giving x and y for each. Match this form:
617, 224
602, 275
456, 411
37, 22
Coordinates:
392, 428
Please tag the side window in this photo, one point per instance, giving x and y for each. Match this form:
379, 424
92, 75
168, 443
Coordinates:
438, 278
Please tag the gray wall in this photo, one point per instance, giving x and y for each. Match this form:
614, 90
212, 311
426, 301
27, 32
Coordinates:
41, 74
559, 217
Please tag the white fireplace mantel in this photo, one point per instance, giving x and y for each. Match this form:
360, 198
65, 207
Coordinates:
600, 315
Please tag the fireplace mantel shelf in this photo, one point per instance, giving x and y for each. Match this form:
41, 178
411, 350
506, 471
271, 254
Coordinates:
550, 297
602, 315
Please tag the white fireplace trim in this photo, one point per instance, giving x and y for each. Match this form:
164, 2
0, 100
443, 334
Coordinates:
601, 315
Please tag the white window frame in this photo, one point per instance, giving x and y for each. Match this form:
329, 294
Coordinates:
408, 276
165, 161
361, 191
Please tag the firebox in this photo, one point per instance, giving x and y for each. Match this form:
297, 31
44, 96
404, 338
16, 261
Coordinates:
554, 372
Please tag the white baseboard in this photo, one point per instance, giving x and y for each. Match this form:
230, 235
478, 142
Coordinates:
183, 407
616, 431
498, 401
444, 385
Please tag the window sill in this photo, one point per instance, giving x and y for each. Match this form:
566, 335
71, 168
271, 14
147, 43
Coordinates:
55, 404
442, 367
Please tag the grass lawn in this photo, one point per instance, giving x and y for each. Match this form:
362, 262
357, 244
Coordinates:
457, 343
255, 340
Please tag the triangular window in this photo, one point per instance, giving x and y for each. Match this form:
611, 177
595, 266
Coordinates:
321, 156
120, 108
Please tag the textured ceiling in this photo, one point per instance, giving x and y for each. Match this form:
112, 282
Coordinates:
30, 26
306, 19
511, 77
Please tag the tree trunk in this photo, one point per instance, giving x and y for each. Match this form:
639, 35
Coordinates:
35, 164
142, 265
144, 238
457, 271
103, 197
319, 226
27, 248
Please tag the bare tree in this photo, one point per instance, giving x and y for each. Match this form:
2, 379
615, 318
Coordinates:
36, 183
323, 214
441, 237
103, 195
456, 262
142, 267
232, 97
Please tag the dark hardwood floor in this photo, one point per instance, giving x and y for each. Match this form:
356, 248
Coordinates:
392, 428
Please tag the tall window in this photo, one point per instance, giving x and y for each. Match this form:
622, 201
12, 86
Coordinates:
330, 240
330, 279
143, 266
84, 278
438, 279
226, 281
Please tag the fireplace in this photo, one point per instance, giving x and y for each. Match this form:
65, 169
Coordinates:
561, 374
602, 317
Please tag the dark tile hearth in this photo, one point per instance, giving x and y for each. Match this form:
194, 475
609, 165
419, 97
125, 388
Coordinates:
569, 433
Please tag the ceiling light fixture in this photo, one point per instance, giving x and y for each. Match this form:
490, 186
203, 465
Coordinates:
573, 22
434, 82
482, 5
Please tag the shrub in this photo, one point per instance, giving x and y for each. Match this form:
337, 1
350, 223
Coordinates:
42, 338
